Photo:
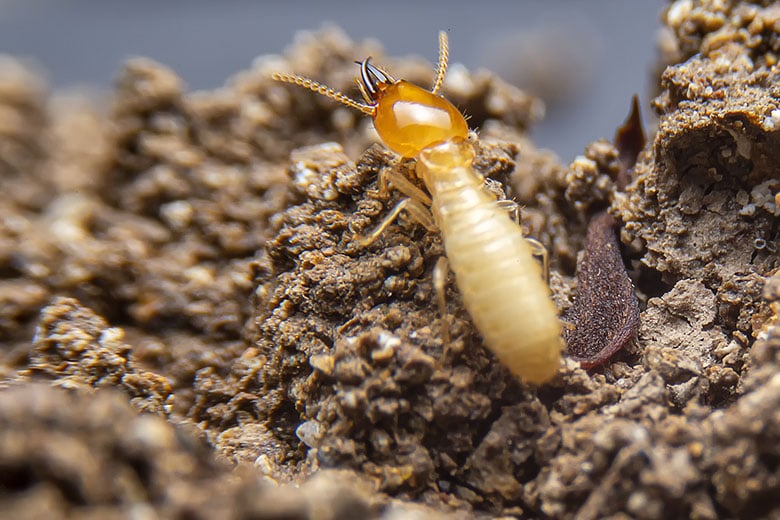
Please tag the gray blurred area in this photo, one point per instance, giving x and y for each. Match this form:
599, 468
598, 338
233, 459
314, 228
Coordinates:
585, 58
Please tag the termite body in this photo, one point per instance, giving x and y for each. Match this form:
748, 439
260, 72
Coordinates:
499, 279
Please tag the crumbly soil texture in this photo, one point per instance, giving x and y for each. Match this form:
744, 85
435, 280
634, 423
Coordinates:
189, 328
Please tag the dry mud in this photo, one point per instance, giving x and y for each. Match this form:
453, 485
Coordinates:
189, 330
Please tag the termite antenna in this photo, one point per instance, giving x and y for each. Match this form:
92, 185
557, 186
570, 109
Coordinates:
441, 67
325, 90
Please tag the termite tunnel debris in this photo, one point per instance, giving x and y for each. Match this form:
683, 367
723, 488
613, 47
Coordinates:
181, 268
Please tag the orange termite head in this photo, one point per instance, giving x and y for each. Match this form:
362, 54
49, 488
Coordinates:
407, 118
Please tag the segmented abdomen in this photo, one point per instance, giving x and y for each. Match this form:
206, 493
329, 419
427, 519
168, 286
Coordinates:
499, 280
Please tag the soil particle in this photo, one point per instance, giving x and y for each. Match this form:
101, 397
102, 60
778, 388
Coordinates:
74, 454
23, 124
89, 455
75, 348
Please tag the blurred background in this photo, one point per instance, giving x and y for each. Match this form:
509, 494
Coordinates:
585, 59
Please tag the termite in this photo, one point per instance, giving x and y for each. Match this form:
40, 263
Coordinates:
499, 279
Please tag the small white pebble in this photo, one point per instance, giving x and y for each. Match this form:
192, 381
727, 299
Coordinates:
113, 335
200, 276
748, 210
177, 214
772, 121
458, 80
309, 433
678, 12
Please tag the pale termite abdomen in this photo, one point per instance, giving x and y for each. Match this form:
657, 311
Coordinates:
499, 280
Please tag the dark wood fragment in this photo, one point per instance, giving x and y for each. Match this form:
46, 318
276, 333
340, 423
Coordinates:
605, 316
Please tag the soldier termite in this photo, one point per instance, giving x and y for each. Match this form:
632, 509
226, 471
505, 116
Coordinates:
499, 280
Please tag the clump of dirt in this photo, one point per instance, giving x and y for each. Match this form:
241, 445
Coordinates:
705, 26
712, 173
90, 455
194, 254
75, 348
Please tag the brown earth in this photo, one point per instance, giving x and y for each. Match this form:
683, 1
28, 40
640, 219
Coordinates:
180, 272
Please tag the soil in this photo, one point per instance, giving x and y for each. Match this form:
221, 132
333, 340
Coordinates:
189, 329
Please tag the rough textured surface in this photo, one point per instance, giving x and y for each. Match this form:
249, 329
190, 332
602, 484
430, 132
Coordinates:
604, 318
80, 455
192, 254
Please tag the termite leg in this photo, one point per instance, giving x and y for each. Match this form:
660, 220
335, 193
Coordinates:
416, 210
538, 250
347, 325
416, 204
511, 207
440, 286
401, 183
383, 183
